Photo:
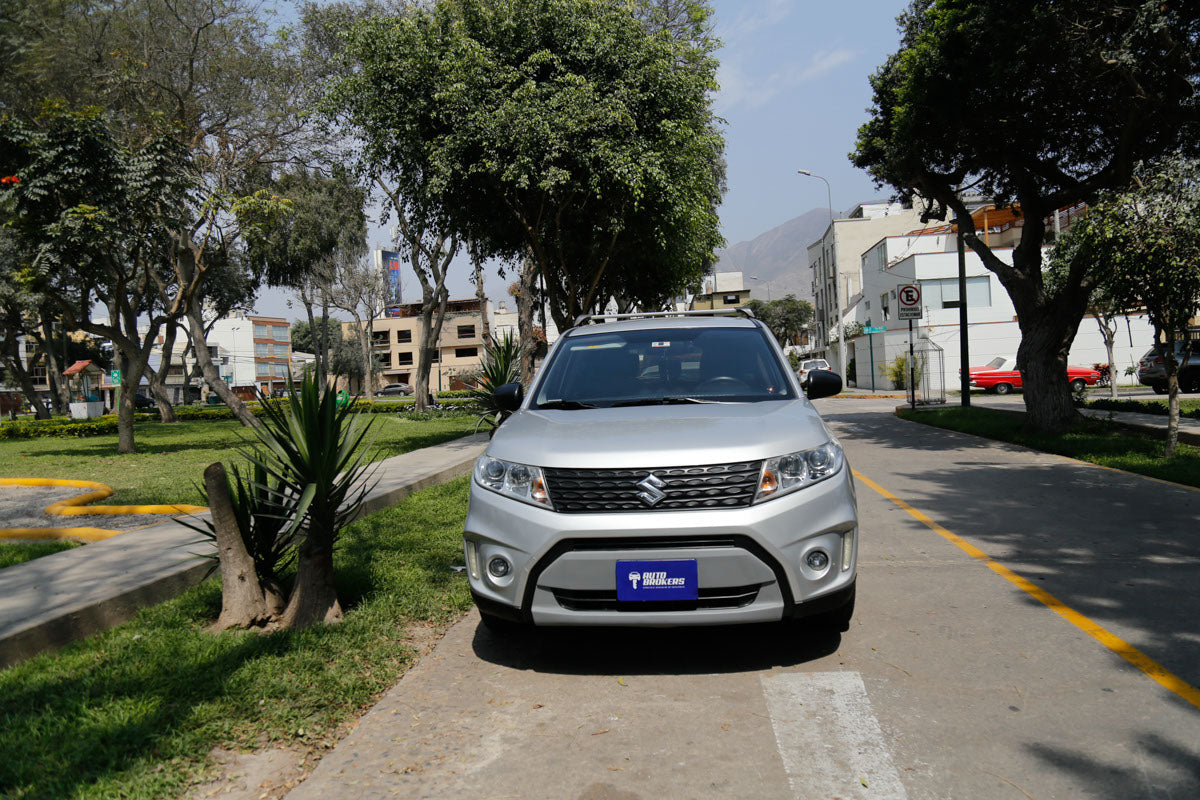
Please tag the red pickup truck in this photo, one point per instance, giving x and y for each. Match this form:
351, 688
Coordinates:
995, 378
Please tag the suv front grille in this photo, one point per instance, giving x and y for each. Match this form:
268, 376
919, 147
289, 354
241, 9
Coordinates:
584, 491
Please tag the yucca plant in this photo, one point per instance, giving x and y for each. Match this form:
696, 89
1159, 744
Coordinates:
315, 450
501, 365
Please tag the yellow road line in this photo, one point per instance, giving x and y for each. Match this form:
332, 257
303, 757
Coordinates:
78, 506
1160, 674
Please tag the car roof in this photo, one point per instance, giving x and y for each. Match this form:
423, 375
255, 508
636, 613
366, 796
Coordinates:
662, 323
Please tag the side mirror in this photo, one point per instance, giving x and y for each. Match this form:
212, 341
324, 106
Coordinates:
820, 383
510, 396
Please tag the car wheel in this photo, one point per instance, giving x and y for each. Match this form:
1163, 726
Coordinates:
1078, 385
1189, 382
1003, 388
1159, 388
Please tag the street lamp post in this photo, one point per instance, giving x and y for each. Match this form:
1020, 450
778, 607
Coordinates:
764, 283
837, 278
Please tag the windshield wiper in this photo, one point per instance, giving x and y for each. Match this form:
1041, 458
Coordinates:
661, 401
565, 405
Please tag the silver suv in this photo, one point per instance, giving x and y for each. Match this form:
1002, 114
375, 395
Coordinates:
664, 470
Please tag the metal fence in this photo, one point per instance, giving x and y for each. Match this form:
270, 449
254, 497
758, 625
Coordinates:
930, 386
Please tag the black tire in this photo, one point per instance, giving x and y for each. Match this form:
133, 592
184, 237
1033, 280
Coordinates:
1003, 388
1078, 385
1159, 388
1189, 382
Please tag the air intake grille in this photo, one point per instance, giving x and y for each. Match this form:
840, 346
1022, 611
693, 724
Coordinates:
591, 491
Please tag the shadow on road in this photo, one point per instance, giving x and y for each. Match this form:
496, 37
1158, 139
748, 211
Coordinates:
1153, 766
655, 651
1122, 549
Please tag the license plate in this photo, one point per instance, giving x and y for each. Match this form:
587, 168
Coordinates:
657, 580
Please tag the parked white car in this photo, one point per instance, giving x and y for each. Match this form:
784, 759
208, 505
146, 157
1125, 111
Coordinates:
810, 364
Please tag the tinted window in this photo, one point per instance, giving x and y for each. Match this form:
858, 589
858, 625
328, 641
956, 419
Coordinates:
721, 364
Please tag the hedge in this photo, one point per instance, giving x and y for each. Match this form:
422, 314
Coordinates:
68, 428
1140, 407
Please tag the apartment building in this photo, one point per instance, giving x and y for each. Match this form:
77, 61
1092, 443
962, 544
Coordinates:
835, 262
457, 352
252, 352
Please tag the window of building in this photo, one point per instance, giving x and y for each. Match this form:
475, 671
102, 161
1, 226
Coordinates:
884, 306
466, 331
279, 370
212, 351
404, 337
175, 372
434, 356
282, 333
466, 352
404, 359
943, 292
281, 350
730, 300
261, 350
260, 331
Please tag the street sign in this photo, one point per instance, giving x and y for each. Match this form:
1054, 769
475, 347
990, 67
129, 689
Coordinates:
908, 300
875, 329
116, 377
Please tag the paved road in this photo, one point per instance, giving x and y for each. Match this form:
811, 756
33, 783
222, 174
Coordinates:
953, 682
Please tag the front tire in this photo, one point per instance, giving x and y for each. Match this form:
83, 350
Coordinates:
1078, 385
1003, 388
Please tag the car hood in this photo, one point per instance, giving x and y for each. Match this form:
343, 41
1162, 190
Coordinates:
659, 436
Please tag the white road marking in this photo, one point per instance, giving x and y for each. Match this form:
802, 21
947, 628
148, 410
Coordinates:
828, 737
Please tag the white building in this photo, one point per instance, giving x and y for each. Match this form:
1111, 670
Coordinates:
835, 261
931, 261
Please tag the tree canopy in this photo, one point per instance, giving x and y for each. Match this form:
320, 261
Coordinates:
571, 131
1042, 105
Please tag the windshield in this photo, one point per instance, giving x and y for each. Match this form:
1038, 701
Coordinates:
672, 365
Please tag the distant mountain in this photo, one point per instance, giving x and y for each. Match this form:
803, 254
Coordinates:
779, 256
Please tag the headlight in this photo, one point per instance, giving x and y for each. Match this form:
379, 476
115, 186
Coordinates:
797, 470
518, 481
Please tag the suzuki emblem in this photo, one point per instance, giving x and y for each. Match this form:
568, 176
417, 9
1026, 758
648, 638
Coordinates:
652, 493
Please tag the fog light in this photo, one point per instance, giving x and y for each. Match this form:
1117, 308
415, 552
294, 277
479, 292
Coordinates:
499, 567
847, 548
817, 560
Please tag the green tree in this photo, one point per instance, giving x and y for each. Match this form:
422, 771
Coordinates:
787, 317
304, 248
570, 132
1039, 104
1148, 245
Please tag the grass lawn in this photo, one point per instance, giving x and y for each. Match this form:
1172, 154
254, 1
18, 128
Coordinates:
171, 459
1092, 440
133, 712
17, 552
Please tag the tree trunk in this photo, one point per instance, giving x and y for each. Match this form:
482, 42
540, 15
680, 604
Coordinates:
60, 398
433, 313
480, 295
157, 378
525, 302
314, 597
243, 604
1042, 359
131, 376
1108, 330
211, 375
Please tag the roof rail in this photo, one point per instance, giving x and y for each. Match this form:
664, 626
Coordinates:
742, 311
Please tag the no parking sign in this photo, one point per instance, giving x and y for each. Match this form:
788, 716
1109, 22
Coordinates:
908, 299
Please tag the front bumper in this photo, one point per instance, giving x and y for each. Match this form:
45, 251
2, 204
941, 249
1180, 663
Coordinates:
751, 561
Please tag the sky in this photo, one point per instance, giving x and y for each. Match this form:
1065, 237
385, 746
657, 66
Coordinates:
794, 90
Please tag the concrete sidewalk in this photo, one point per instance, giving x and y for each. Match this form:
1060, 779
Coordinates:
57, 599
